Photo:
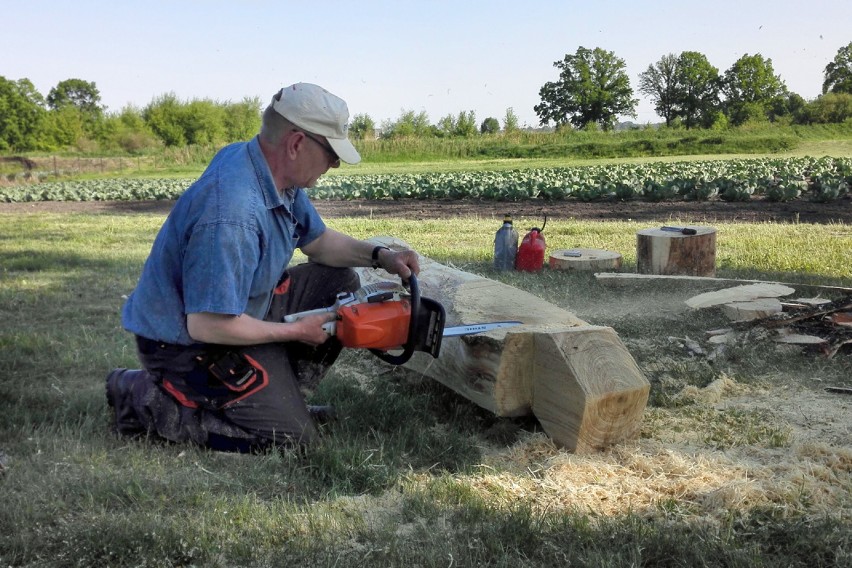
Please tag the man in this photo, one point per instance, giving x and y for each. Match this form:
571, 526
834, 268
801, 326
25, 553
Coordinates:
221, 368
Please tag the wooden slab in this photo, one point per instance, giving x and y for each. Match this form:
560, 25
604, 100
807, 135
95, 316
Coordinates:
744, 293
585, 259
625, 279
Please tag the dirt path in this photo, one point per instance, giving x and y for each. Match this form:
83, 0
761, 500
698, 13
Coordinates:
757, 210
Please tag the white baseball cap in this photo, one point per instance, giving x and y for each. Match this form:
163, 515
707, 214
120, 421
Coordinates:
312, 108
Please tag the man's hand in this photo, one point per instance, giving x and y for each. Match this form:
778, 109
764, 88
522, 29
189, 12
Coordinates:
402, 262
310, 328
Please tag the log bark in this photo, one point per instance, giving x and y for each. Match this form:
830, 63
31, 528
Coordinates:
584, 259
667, 252
578, 379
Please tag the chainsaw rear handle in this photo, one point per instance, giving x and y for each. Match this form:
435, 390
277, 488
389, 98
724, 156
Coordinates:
410, 346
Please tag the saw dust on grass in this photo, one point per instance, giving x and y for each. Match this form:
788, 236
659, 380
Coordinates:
677, 471
693, 464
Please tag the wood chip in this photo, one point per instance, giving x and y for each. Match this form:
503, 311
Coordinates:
801, 339
755, 309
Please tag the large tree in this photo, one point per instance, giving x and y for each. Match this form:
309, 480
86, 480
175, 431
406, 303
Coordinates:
659, 82
79, 103
76, 92
593, 88
697, 90
751, 88
838, 73
21, 115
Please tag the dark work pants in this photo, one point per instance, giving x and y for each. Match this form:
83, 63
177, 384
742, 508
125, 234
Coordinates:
168, 400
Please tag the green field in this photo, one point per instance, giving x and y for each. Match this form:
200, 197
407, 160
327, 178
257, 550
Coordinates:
743, 458
414, 475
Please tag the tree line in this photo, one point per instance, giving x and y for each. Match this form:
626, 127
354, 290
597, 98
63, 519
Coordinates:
592, 91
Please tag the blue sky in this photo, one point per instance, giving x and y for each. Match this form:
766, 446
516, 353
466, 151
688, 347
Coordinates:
384, 57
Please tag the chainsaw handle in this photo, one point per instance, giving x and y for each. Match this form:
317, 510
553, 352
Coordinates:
410, 345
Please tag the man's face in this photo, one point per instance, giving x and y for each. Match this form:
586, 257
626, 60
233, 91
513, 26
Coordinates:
318, 157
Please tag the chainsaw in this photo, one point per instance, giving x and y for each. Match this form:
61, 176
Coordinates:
385, 317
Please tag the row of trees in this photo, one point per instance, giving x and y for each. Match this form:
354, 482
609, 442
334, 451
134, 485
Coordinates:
593, 89
72, 116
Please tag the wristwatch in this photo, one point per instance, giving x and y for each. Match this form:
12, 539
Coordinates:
375, 255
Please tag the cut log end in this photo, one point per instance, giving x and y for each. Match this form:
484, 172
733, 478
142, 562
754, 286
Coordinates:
588, 392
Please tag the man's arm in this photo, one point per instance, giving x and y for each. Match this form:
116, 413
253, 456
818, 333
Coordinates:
336, 249
225, 329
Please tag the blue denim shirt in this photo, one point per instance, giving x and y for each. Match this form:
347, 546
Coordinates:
223, 247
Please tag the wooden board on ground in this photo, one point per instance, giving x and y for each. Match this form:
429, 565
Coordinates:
744, 293
585, 260
625, 279
578, 379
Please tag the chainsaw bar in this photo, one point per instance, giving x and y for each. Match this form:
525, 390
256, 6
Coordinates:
474, 328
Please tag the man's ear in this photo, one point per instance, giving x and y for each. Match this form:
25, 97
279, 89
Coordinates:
292, 143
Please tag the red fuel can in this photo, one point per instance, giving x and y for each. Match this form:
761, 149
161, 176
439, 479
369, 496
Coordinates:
531, 252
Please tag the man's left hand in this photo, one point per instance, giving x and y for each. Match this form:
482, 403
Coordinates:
402, 262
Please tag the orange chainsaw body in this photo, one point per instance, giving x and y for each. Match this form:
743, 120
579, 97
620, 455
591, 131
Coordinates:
379, 325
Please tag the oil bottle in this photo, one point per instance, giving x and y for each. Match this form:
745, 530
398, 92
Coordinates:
505, 245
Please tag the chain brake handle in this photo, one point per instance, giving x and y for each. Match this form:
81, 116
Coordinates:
410, 345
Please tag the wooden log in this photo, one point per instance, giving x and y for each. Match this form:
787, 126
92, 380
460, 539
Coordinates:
578, 379
585, 259
668, 252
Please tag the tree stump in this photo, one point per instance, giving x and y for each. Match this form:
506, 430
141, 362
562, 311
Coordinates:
584, 259
578, 379
660, 251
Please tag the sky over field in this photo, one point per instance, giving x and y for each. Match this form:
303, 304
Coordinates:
386, 57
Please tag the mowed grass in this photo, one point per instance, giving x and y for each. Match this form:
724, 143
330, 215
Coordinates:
414, 475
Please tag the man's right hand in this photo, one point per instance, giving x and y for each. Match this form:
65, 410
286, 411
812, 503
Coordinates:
310, 330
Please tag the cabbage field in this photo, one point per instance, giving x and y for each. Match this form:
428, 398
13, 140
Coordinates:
774, 179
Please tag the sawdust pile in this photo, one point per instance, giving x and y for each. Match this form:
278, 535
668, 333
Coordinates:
653, 479
671, 472
650, 478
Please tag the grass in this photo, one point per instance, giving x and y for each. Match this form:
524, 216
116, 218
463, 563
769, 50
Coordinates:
414, 475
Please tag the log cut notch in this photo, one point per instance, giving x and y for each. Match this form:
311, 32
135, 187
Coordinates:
578, 379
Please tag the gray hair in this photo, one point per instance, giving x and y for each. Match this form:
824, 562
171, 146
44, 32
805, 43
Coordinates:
273, 126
